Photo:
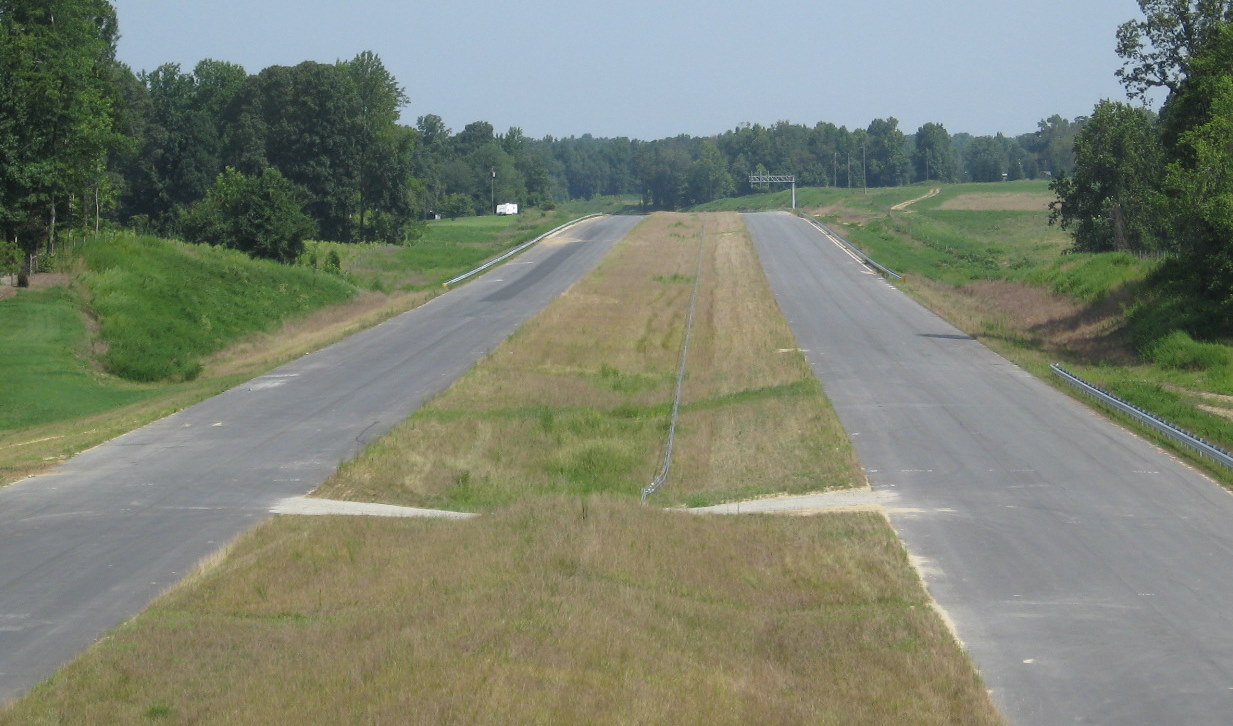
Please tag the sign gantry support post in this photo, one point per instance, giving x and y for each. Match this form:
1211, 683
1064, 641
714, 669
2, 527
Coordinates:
776, 179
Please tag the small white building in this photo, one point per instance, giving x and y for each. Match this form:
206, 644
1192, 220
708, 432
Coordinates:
507, 209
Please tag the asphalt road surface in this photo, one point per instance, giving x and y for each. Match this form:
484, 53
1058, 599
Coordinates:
1089, 574
85, 548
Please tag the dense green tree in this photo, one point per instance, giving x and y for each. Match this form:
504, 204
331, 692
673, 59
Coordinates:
472, 138
313, 133
57, 75
385, 152
1156, 49
1199, 181
886, 159
932, 157
259, 215
708, 178
1053, 144
1112, 201
431, 151
985, 159
179, 149
663, 166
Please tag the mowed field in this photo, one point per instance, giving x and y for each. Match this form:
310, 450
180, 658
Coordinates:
566, 601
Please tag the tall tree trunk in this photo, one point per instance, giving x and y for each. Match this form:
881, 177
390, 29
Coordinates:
1119, 229
51, 232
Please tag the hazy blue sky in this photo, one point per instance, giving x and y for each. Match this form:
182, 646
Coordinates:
649, 69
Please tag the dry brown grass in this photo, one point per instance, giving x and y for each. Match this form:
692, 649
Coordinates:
992, 201
586, 610
1042, 326
38, 281
261, 351
755, 420
577, 400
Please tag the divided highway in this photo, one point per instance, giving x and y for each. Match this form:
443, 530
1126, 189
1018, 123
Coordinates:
1089, 574
87, 547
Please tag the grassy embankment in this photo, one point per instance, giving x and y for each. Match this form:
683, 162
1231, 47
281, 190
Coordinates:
143, 327
984, 256
568, 602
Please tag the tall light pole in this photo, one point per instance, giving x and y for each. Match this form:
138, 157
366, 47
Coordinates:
864, 170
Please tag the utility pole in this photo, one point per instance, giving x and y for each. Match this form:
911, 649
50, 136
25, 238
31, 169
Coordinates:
849, 169
835, 163
492, 192
864, 170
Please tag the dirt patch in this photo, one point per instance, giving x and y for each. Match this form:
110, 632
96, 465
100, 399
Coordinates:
38, 281
929, 195
1218, 398
1055, 324
992, 201
1216, 411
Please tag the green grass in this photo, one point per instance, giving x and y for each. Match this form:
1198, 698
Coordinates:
1189, 398
165, 305
1090, 276
959, 246
44, 353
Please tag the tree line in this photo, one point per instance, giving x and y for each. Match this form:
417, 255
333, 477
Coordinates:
1162, 184
259, 161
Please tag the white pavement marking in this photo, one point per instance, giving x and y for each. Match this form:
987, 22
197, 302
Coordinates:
845, 500
837, 501
321, 507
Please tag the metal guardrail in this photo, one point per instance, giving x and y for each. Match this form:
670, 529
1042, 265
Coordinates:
517, 249
662, 476
826, 230
1180, 435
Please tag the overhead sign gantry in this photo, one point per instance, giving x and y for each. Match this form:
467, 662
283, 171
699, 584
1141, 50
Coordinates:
776, 179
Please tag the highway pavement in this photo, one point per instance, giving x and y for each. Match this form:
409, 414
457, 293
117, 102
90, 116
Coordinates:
89, 546
1088, 573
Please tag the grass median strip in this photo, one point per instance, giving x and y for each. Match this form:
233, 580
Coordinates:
577, 401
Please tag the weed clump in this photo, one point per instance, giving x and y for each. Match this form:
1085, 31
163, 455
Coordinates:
1179, 351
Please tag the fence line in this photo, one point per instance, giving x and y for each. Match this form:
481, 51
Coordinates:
662, 476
